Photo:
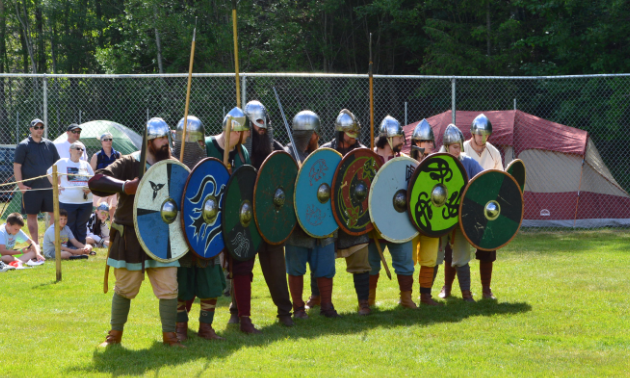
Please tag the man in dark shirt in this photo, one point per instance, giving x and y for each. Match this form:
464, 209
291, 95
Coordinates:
33, 156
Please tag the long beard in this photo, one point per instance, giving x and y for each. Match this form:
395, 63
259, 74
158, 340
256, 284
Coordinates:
397, 148
162, 154
261, 147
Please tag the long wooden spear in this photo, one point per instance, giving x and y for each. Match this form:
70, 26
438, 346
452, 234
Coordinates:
371, 99
190, 69
235, 32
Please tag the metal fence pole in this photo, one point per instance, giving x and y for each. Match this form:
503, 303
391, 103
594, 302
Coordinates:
79, 117
147, 115
45, 94
244, 90
514, 104
17, 128
453, 96
406, 122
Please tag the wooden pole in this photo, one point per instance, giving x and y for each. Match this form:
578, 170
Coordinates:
226, 138
190, 68
55, 188
371, 99
234, 30
380, 252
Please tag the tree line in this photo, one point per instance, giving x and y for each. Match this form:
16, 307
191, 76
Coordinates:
435, 37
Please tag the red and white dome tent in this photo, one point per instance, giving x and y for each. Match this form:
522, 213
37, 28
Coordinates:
560, 190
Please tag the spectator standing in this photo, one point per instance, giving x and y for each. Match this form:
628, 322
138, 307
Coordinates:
33, 156
74, 195
102, 159
73, 131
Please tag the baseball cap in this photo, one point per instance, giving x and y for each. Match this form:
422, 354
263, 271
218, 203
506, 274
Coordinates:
73, 126
36, 121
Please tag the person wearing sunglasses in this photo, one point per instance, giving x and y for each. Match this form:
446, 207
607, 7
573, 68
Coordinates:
73, 134
33, 156
102, 159
74, 195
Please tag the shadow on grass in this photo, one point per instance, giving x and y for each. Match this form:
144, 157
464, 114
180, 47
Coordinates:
118, 360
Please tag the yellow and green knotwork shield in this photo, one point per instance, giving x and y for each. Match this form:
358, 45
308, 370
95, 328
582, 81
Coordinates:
434, 194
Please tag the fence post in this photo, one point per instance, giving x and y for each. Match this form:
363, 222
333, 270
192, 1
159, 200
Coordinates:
55, 188
45, 94
406, 123
454, 103
244, 90
514, 104
147, 115
17, 128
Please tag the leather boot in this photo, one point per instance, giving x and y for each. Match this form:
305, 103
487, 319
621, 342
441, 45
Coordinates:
449, 277
425, 298
296, 287
467, 296
113, 337
170, 339
247, 326
364, 308
181, 329
487, 293
286, 320
206, 332
485, 271
233, 319
406, 287
373, 284
325, 291
313, 301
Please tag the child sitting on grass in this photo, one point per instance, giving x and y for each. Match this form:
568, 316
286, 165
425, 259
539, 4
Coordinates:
97, 230
10, 234
67, 253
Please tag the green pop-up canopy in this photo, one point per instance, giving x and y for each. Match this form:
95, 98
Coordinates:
125, 141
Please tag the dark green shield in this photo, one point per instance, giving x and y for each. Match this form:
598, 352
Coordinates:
491, 210
240, 234
434, 194
274, 210
517, 169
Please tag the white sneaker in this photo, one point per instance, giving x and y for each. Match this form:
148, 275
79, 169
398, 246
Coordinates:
17, 265
34, 263
4, 267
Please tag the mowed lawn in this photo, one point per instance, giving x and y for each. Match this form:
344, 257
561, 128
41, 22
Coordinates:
563, 310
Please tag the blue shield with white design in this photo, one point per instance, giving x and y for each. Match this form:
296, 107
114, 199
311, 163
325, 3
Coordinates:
201, 208
157, 211
312, 193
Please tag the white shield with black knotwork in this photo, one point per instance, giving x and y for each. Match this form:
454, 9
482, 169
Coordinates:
156, 211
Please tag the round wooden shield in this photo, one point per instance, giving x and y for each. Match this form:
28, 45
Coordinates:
157, 211
239, 228
517, 169
274, 211
388, 200
491, 210
201, 208
313, 207
434, 194
351, 188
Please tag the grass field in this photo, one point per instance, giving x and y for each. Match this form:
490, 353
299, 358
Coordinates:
563, 310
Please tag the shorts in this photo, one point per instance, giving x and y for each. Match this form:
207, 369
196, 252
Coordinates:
112, 200
37, 201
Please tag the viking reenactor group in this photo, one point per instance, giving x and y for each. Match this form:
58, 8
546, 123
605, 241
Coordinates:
240, 193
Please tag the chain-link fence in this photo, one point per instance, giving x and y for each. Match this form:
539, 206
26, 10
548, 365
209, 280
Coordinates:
566, 187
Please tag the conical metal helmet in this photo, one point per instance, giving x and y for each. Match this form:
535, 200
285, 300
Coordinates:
390, 127
423, 132
257, 113
157, 128
194, 130
239, 120
481, 125
348, 123
307, 120
453, 135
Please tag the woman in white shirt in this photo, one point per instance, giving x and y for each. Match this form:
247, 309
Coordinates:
74, 195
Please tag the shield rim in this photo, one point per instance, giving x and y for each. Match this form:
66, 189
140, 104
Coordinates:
412, 181
135, 214
370, 226
376, 177
330, 200
182, 202
517, 161
274, 153
227, 186
459, 222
